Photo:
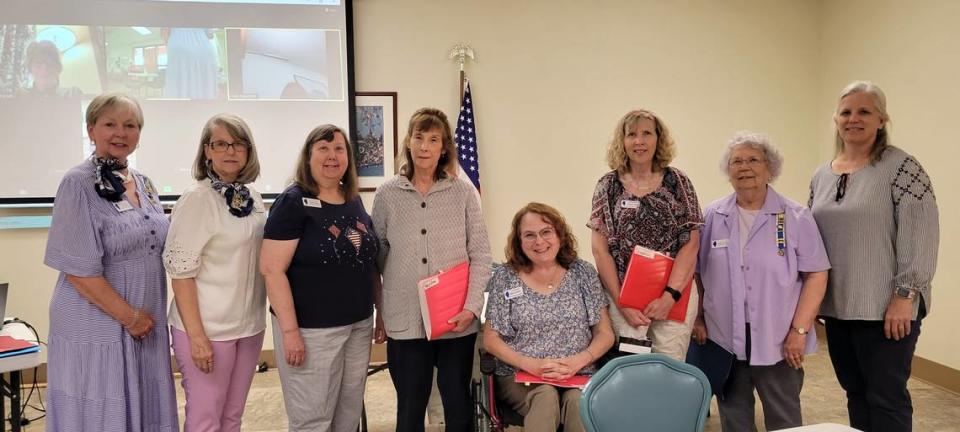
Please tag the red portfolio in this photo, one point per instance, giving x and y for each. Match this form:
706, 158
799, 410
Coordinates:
576, 381
647, 275
441, 297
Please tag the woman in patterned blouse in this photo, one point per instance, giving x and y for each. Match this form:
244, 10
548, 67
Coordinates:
547, 315
644, 201
878, 217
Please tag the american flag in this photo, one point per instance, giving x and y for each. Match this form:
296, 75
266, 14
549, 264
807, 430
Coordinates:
466, 138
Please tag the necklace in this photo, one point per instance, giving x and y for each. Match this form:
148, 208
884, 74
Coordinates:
553, 279
635, 184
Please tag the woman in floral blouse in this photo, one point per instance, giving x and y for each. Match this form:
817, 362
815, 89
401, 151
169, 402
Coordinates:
547, 315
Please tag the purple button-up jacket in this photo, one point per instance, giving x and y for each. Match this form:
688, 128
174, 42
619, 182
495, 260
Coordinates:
762, 280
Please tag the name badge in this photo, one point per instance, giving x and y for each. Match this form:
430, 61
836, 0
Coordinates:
630, 204
513, 293
312, 202
123, 206
719, 243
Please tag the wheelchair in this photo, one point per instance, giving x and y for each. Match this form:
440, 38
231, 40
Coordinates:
490, 414
494, 415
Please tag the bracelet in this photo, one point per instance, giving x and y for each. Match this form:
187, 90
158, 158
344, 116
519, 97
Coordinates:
592, 357
133, 320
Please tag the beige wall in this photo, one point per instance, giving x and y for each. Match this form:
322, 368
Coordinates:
553, 77
912, 50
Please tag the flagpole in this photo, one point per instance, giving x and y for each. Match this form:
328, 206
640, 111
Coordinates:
461, 53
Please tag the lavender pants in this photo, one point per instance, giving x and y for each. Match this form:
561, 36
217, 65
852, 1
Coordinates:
215, 400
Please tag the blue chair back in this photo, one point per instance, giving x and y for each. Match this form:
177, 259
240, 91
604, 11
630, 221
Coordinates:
646, 392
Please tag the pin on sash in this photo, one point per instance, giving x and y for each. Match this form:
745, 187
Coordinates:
781, 237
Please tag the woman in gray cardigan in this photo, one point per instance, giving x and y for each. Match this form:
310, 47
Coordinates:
877, 214
429, 220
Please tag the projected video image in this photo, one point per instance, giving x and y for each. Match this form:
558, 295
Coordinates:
284, 64
169, 63
48, 61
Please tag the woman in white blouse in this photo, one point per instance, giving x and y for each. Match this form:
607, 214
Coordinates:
217, 318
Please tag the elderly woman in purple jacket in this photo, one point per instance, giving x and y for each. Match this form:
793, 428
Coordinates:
762, 269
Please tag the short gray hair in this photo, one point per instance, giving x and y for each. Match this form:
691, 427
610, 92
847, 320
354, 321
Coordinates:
757, 141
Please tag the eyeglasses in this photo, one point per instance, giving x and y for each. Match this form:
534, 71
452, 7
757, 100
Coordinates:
221, 146
741, 162
842, 186
546, 234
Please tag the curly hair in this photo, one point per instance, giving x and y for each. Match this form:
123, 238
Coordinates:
756, 141
666, 148
519, 261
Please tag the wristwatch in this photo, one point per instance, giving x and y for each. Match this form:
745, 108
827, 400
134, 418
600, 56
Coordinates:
673, 293
906, 293
800, 330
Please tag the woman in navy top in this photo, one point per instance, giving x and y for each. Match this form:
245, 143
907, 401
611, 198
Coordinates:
319, 262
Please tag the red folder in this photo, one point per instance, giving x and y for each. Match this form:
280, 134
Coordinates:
8, 343
441, 297
647, 275
576, 381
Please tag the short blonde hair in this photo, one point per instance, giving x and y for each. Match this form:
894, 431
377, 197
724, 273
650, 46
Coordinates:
109, 101
303, 177
880, 103
239, 131
616, 155
426, 119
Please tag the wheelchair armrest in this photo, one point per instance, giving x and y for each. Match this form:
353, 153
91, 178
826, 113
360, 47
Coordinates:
488, 363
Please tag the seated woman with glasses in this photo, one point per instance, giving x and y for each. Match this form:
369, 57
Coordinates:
547, 316
218, 316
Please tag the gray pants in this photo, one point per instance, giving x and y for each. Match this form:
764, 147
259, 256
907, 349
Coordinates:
326, 392
779, 389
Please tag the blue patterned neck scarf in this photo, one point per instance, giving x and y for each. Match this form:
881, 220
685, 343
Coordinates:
108, 179
236, 194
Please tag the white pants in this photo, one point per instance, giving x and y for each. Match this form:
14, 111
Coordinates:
326, 392
669, 337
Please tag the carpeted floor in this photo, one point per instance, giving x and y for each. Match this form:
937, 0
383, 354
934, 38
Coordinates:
935, 410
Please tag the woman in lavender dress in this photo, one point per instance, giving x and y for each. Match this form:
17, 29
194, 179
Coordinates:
108, 358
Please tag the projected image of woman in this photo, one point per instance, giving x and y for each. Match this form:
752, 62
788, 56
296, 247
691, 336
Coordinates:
429, 220
319, 261
193, 67
217, 319
43, 63
108, 351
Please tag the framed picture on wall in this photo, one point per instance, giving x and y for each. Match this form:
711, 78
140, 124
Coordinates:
375, 140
